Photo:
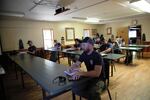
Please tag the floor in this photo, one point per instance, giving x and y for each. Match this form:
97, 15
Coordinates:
130, 82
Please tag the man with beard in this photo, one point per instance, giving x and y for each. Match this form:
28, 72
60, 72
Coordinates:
92, 60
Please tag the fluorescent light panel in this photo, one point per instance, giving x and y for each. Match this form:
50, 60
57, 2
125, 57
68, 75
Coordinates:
16, 14
93, 20
137, 10
142, 5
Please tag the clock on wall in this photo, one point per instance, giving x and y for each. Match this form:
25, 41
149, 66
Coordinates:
134, 22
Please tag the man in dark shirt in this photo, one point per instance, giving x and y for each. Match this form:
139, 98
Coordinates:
77, 43
32, 48
55, 54
106, 47
92, 60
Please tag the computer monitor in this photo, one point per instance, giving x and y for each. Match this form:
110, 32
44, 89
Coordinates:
132, 34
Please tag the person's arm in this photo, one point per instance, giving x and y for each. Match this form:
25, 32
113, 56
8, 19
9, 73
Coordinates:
32, 52
94, 73
76, 65
108, 50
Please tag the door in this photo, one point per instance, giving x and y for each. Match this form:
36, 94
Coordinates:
123, 32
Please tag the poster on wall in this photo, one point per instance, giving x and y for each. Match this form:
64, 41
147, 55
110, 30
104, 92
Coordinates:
94, 31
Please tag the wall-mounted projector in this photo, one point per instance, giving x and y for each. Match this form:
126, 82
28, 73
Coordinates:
61, 10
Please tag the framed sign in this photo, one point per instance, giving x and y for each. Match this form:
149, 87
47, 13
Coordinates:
109, 30
94, 31
70, 34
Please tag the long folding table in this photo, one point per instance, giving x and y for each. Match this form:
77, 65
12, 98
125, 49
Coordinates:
44, 72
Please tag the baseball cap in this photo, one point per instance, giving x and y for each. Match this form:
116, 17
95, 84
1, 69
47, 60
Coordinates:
29, 41
88, 40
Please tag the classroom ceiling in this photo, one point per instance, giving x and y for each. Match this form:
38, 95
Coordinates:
105, 10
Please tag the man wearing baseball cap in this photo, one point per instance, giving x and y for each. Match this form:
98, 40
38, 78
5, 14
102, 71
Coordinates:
32, 48
92, 60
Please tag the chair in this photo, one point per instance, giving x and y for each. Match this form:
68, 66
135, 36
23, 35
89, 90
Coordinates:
54, 56
40, 52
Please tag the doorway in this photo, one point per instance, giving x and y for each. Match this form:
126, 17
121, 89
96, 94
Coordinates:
134, 34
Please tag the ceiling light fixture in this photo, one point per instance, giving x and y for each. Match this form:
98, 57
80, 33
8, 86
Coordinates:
92, 20
15, 14
141, 4
137, 10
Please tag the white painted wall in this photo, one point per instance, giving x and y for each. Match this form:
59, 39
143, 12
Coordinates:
13, 30
143, 21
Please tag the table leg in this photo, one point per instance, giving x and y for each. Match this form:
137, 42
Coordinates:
16, 71
58, 57
22, 79
73, 96
111, 68
44, 95
69, 60
3, 89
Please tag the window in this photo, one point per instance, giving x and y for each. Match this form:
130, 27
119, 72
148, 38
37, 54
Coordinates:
48, 38
86, 33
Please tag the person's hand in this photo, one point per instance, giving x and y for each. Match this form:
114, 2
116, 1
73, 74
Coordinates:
76, 76
71, 69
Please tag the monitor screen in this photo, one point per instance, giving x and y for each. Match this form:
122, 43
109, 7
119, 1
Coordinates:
132, 34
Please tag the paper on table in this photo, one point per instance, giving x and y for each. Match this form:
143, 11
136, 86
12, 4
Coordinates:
71, 73
103, 54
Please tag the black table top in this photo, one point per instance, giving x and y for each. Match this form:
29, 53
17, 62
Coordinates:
131, 48
112, 56
137, 45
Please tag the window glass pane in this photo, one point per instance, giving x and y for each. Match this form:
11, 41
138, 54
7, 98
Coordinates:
86, 33
47, 34
48, 38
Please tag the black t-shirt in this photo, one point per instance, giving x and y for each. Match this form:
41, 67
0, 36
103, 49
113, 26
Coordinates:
77, 45
91, 60
103, 47
32, 48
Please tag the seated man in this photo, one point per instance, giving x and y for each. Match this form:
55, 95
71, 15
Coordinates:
32, 48
77, 44
92, 60
106, 47
57, 45
54, 54
116, 48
